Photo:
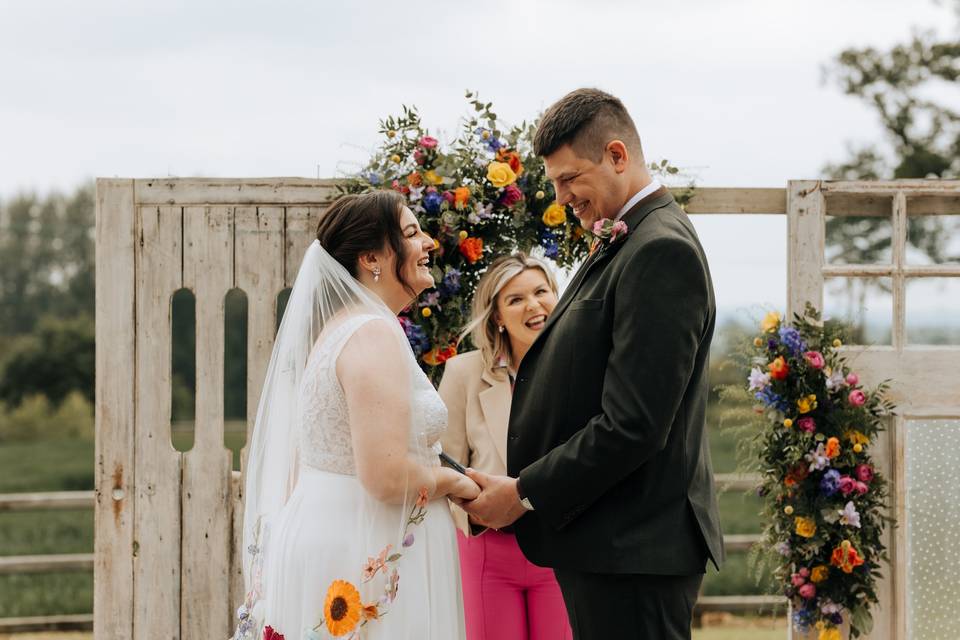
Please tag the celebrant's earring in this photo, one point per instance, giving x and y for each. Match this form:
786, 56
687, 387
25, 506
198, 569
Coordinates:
376, 274
501, 328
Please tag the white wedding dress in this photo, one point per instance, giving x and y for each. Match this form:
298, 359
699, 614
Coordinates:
330, 526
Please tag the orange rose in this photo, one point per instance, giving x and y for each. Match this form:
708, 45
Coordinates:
845, 557
438, 356
833, 448
512, 159
472, 249
461, 196
779, 369
415, 179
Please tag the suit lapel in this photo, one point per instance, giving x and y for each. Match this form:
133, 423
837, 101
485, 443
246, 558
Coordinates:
495, 405
659, 198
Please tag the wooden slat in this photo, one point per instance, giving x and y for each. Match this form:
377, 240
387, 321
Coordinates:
924, 378
77, 622
235, 191
736, 481
916, 188
740, 541
721, 200
46, 563
156, 589
805, 240
52, 501
259, 273
938, 205
205, 506
301, 230
114, 408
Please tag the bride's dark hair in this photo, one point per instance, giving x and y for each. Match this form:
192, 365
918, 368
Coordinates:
357, 223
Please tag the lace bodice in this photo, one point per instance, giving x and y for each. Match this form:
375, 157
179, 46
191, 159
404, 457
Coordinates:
324, 421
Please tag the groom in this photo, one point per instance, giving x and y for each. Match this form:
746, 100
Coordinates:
611, 482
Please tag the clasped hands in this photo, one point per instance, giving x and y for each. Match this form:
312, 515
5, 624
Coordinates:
498, 504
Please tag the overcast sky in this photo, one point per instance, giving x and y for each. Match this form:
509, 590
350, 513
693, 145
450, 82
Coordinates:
732, 90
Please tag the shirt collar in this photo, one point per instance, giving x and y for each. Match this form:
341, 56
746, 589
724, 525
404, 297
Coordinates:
638, 196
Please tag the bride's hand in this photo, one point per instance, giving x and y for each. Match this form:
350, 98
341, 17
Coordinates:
455, 485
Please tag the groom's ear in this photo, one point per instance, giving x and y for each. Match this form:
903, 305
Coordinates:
617, 153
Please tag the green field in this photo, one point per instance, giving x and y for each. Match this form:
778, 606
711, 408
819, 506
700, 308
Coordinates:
68, 466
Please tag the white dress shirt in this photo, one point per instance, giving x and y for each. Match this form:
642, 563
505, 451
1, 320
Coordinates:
638, 196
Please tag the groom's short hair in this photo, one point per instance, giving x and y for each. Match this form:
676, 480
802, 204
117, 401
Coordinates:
586, 119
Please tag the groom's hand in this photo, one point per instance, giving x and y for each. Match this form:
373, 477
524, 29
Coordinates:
498, 503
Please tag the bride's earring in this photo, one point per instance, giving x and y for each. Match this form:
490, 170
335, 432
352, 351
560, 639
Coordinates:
501, 328
376, 275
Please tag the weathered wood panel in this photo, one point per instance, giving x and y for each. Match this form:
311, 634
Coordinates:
156, 546
206, 499
114, 409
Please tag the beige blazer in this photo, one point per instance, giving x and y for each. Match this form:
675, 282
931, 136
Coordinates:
478, 407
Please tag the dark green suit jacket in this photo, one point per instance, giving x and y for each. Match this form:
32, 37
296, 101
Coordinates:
607, 426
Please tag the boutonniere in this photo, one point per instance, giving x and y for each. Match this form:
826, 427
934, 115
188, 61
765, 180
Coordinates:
607, 232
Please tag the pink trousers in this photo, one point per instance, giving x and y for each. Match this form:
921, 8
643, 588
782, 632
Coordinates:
506, 597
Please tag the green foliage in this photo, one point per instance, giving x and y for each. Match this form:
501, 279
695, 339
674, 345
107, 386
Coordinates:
35, 419
55, 359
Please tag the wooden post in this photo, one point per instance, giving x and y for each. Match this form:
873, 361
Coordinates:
114, 409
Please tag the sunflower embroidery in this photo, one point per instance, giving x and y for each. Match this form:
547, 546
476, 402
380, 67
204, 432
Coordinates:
342, 608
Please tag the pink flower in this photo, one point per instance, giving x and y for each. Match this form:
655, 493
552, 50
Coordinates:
428, 142
804, 572
814, 359
807, 424
860, 487
797, 579
808, 591
857, 398
448, 196
846, 485
511, 195
619, 227
864, 472
418, 157
852, 379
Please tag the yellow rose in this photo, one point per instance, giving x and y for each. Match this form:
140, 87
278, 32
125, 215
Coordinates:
555, 215
432, 177
770, 322
829, 633
819, 573
855, 437
805, 527
500, 174
807, 404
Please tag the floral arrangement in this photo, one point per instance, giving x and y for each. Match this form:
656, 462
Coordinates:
344, 613
482, 196
824, 499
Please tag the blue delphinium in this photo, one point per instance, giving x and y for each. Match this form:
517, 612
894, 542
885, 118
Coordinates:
791, 339
830, 482
432, 202
802, 619
770, 398
549, 243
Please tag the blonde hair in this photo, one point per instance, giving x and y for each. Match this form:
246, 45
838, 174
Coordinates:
482, 327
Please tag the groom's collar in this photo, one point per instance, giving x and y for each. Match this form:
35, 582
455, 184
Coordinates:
638, 196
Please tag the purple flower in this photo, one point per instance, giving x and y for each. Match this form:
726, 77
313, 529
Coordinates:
416, 336
549, 243
450, 284
830, 482
432, 201
772, 344
783, 548
802, 619
408, 541
836, 618
373, 177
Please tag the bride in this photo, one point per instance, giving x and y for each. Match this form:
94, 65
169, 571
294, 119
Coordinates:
346, 532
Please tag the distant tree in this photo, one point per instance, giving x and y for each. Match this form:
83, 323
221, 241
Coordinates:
57, 358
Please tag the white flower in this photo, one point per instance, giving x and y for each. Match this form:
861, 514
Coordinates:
817, 458
416, 193
835, 381
473, 218
849, 516
758, 379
